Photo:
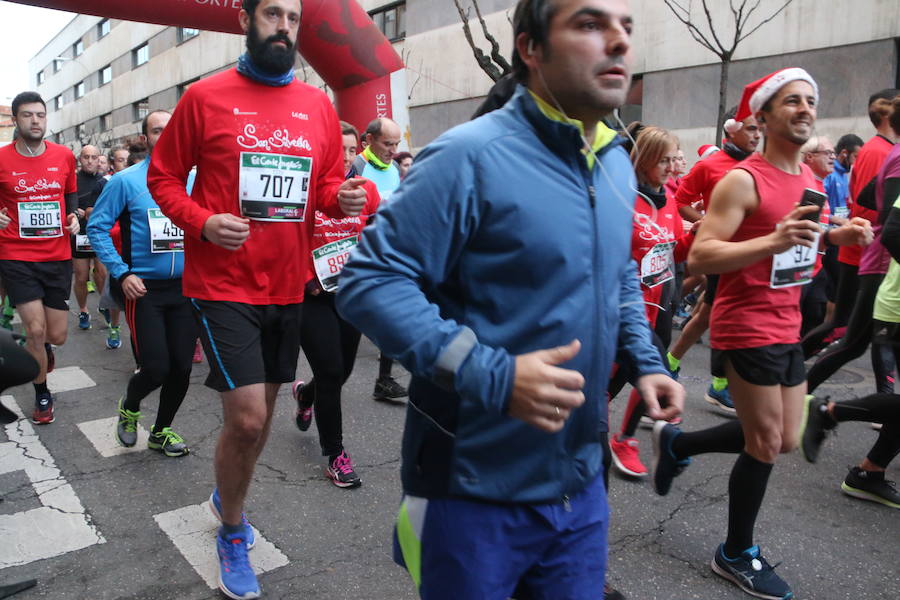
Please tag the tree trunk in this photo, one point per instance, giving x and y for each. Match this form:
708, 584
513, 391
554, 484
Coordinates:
723, 89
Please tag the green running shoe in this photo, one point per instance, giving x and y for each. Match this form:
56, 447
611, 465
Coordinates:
168, 442
126, 428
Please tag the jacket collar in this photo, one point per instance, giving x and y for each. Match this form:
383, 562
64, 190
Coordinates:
560, 137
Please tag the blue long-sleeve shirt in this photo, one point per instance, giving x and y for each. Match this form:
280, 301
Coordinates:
500, 242
126, 199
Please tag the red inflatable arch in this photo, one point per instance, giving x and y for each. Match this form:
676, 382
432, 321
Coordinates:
337, 39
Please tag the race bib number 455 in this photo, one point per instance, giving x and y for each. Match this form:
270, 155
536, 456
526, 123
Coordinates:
40, 220
274, 187
165, 236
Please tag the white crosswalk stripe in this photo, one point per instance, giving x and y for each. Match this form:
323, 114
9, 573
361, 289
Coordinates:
193, 531
61, 524
102, 434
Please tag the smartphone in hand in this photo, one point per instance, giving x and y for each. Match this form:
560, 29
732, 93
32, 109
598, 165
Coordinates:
813, 198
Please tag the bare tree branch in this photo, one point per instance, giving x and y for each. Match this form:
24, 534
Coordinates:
481, 58
698, 36
763, 22
751, 11
712, 28
496, 55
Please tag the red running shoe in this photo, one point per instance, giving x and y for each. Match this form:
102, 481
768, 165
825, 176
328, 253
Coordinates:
626, 457
43, 410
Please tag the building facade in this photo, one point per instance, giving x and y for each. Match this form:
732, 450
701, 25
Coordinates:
100, 76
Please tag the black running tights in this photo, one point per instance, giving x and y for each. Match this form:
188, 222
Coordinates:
330, 344
855, 342
163, 333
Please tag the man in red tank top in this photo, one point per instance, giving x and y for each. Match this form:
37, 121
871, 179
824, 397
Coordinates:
763, 243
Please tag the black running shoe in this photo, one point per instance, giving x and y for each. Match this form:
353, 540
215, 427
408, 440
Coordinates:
340, 472
387, 389
871, 486
665, 466
814, 426
751, 573
168, 442
304, 416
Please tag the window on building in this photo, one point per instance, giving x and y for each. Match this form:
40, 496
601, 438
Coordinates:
57, 64
140, 55
391, 20
140, 109
182, 88
105, 122
41, 77
81, 132
79, 90
102, 28
186, 33
104, 75
78, 48
60, 102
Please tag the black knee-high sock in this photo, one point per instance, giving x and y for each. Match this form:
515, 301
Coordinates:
384, 366
887, 446
879, 408
746, 489
727, 438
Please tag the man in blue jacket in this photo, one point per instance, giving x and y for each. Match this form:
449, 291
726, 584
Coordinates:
500, 276
147, 273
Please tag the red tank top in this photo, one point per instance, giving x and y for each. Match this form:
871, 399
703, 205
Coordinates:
748, 312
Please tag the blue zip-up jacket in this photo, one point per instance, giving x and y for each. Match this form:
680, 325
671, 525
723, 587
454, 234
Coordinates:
837, 186
501, 242
126, 199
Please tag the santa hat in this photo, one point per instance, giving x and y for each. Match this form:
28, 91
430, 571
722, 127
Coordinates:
705, 150
759, 92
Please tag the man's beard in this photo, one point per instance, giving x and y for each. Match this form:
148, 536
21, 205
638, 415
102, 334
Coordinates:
266, 55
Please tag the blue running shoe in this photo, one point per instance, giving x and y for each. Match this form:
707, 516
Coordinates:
84, 321
215, 506
236, 577
665, 466
752, 574
113, 338
721, 400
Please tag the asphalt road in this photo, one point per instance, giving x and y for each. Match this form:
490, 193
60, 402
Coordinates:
336, 543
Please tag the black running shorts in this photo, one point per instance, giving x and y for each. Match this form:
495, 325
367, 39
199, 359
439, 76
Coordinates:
247, 344
777, 364
25, 281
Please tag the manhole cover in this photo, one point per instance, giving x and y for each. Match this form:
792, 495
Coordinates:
845, 377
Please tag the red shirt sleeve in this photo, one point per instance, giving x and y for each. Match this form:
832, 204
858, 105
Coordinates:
72, 179
692, 186
331, 176
172, 159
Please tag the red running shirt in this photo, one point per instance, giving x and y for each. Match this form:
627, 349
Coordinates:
343, 234
34, 190
747, 312
647, 250
867, 165
236, 131
699, 183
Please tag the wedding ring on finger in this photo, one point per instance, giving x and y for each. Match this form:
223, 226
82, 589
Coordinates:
557, 410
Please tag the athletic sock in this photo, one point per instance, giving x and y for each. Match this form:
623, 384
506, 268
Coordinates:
878, 408
227, 529
719, 383
40, 388
674, 363
726, 438
746, 490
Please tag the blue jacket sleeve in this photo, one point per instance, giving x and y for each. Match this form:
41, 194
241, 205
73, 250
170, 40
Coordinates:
388, 286
109, 206
635, 341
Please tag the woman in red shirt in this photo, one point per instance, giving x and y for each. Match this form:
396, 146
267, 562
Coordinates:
658, 242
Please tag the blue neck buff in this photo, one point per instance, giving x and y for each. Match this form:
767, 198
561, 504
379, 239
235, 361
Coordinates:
248, 68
